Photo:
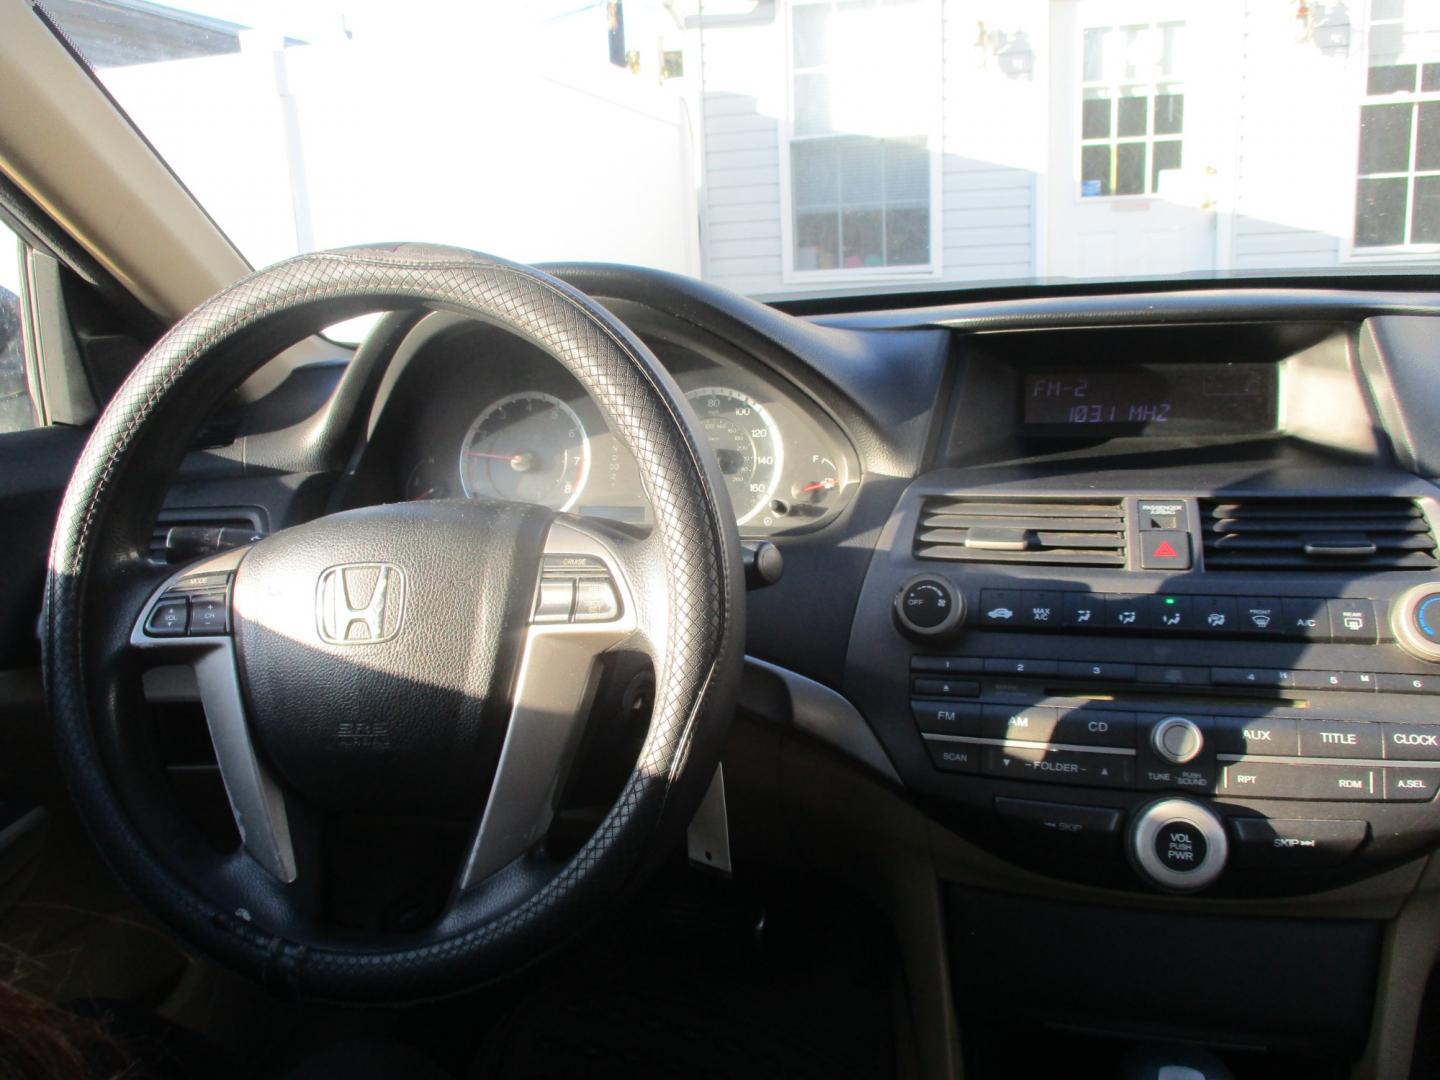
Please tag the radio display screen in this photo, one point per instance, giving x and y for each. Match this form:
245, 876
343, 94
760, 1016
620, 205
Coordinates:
1152, 399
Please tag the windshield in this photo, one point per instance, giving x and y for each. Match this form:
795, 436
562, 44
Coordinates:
783, 147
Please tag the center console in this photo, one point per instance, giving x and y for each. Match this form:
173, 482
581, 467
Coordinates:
1201, 688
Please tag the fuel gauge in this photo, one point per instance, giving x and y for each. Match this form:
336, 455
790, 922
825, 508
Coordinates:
820, 485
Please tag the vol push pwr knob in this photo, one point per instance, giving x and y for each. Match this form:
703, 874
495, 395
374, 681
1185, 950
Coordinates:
928, 606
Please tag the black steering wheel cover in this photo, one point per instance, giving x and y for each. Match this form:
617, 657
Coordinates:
107, 511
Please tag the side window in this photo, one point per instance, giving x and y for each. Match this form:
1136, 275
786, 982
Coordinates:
17, 411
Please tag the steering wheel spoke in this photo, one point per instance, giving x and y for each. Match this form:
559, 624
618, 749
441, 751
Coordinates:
187, 621
586, 605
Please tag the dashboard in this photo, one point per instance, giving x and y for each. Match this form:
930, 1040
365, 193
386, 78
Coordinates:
1121, 615
474, 415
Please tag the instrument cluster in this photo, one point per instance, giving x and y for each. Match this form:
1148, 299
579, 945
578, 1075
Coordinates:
526, 431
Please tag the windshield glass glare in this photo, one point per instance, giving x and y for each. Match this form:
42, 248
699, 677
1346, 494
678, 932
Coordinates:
783, 147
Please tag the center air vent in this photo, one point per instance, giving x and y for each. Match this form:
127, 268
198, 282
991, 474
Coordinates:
1361, 534
1058, 532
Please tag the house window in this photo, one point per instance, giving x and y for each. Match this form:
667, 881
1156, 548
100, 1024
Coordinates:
1397, 192
1132, 108
860, 195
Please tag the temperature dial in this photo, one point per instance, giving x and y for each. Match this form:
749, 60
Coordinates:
1416, 622
928, 606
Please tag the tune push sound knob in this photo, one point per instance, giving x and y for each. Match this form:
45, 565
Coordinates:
928, 606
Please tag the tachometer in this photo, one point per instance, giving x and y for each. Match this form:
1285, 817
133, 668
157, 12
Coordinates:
530, 447
746, 443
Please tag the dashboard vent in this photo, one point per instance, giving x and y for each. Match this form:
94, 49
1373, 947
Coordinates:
1365, 534
1059, 532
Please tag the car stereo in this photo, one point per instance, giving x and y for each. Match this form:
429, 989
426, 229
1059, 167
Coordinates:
1130, 710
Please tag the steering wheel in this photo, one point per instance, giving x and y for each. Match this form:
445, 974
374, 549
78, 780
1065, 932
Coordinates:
430, 657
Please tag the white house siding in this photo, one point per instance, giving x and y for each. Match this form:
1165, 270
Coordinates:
1293, 195
994, 144
743, 101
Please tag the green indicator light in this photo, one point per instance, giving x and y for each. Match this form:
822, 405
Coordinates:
1169, 600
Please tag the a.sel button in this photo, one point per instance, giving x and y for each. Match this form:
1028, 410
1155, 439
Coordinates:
1411, 742
1410, 785
1243, 735
1339, 738
1278, 844
953, 756
1060, 766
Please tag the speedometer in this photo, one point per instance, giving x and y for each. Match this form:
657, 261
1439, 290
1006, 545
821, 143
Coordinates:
746, 444
529, 447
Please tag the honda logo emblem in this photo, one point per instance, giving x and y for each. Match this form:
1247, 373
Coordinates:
359, 603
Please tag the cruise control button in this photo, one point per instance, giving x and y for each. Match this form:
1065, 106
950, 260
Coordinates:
946, 717
554, 601
946, 688
1410, 785
208, 615
1411, 742
1339, 738
1083, 611
168, 618
1033, 723
1286, 844
1274, 735
595, 601
1352, 621
953, 756
1059, 766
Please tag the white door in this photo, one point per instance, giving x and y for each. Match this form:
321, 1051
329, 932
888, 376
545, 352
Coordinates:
1142, 125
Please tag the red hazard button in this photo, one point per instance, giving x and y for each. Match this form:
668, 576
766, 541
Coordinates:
1164, 549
